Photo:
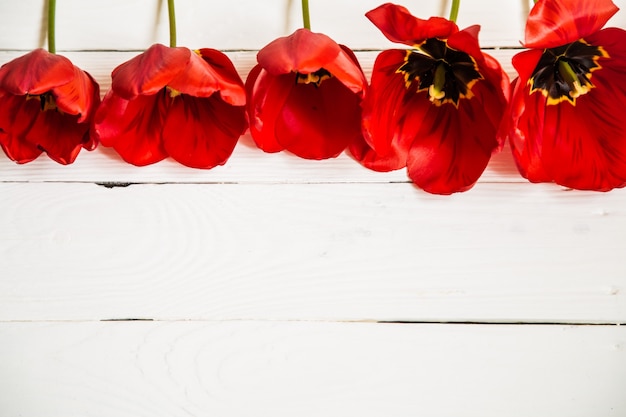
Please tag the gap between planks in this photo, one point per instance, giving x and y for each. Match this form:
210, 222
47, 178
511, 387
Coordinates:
360, 321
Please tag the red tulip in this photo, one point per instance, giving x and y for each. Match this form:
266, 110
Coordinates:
567, 111
304, 96
173, 102
436, 108
46, 105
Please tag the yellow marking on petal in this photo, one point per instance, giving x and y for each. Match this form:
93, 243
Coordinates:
444, 69
576, 88
46, 100
173, 92
316, 77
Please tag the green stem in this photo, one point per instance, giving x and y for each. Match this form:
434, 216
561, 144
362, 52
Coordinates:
171, 13
306, 17
52, 5
454, 10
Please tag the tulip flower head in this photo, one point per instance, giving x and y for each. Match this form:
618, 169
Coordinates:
171, 101
435, 108
46, 105
304, 96
567, 109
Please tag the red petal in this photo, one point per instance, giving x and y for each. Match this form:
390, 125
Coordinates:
303, 51
452, 148
496, 96
369, 158
553, 23
35, 73
525, 119
17, 116
346, 69
132, 127
202, 132
385, 111
467, 41
525, 63
18, 151
398, 25
201, 79
79, 97
319, 122
266, 96
150, 71
231, 86
196, 79
59, 135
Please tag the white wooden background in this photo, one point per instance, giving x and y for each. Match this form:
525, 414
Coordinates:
274, 286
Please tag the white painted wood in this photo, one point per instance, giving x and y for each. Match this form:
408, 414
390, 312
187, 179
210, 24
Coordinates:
501, 252
310, 369
241, 24
258, 264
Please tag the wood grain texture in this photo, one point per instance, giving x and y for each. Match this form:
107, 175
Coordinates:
239, 25
135, 24
501, 252
310, 369
263, 279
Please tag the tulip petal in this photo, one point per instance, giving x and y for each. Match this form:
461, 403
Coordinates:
149, 72
384, 111
346, 69
79, 97
319, 122
59, 135
208, 73
452, 148
552, 23
467, 41
266, 97
527, 118
18, 115
35, 73
202, 132
231, 86
303, 51
398, 25
133, 127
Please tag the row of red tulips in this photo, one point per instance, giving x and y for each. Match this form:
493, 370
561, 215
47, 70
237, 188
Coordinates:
440, 108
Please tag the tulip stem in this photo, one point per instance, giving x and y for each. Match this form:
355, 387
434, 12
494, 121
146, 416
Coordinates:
306, 17
52, 5
171, 14
454, 10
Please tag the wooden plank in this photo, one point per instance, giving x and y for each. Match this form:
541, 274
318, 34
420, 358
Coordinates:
244, 24
310, 369
135, 24
501, 252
